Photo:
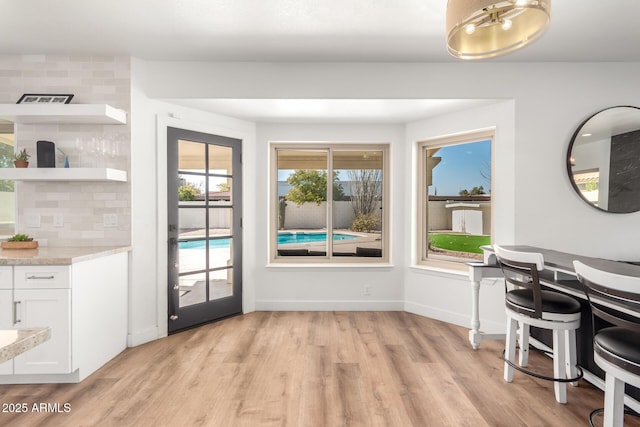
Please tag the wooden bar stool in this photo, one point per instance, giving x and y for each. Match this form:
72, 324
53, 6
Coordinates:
616, 348
527, 304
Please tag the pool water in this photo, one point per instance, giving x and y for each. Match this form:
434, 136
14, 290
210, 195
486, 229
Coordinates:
200, 244
283, 239
304, 237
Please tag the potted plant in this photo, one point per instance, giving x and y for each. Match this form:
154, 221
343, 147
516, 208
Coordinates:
19, 241
21, 159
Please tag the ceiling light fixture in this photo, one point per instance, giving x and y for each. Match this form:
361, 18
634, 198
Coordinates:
478, 29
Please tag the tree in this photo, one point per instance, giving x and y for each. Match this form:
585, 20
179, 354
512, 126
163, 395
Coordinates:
187, 192
223, 186
308, 185
365, 190
474, 191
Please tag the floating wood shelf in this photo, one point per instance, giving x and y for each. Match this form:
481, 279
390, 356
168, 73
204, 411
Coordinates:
62, 114
63, 174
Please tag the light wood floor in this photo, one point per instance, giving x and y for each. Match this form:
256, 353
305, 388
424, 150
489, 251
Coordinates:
309, 369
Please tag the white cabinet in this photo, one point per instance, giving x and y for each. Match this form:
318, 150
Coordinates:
6, 309
84, 304
41, 297
38, 308
6, 322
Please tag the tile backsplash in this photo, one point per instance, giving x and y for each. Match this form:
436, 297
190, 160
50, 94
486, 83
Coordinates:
73, 213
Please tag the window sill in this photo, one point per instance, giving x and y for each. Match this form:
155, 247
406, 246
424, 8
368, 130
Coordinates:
329, 265
458, 269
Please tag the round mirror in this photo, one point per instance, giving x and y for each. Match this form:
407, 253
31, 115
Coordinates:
604, 160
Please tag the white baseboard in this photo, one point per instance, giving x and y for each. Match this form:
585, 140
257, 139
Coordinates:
331, 305
142, 337
452, 317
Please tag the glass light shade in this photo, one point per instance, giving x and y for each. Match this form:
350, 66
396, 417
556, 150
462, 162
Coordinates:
529, 19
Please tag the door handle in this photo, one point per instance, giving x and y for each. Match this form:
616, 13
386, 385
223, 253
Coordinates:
15, 312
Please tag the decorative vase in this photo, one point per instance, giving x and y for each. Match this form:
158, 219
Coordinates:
21, 164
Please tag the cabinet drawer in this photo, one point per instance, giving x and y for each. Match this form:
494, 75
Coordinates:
42, 277
6, 277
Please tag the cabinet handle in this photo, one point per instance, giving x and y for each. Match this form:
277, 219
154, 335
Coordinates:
41, 277
15, 313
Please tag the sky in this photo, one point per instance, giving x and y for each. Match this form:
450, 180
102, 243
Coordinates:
462, 167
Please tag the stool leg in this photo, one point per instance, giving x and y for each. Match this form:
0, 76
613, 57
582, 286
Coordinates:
510, 347
524, 344
613, 402
559, 365
572, 357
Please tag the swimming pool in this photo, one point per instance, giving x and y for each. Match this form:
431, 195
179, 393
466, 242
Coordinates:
310, 237
199, 244
283, 239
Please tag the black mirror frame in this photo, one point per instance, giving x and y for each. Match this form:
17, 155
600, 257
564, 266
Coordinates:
569, 165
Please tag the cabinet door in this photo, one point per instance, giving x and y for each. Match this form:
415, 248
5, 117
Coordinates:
6, 322
6, 277
45, 307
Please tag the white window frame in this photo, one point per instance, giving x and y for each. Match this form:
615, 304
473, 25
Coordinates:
331, 147
422, 257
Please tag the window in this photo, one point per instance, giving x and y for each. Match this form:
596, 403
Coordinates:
330, 190
455, 197
7, 195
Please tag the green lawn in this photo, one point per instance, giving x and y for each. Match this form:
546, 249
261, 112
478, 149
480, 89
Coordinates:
459, 242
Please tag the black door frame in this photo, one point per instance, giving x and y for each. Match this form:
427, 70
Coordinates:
194, 315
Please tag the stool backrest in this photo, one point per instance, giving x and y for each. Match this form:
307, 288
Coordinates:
602, 287
522, 269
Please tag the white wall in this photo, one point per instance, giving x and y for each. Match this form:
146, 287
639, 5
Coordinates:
549, 100
447, 296
327, 288
148, 274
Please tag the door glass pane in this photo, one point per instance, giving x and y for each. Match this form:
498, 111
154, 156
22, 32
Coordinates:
192, 256
220, 252
220, 160
191, 222
191, 156
221, 191
357, 208
220, 221
302, 202
192, 289
221, 283
191, 189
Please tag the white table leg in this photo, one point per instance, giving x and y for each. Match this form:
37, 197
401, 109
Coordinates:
475, 335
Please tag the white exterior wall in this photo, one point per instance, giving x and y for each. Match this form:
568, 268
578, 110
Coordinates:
311, 215
195, 218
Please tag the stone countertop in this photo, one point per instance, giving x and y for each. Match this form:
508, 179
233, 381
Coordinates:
48, 255
16, 341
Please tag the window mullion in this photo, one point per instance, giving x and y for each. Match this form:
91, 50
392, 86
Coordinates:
330, 202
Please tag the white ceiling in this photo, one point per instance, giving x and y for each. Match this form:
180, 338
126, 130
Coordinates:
300, 30
334, 111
